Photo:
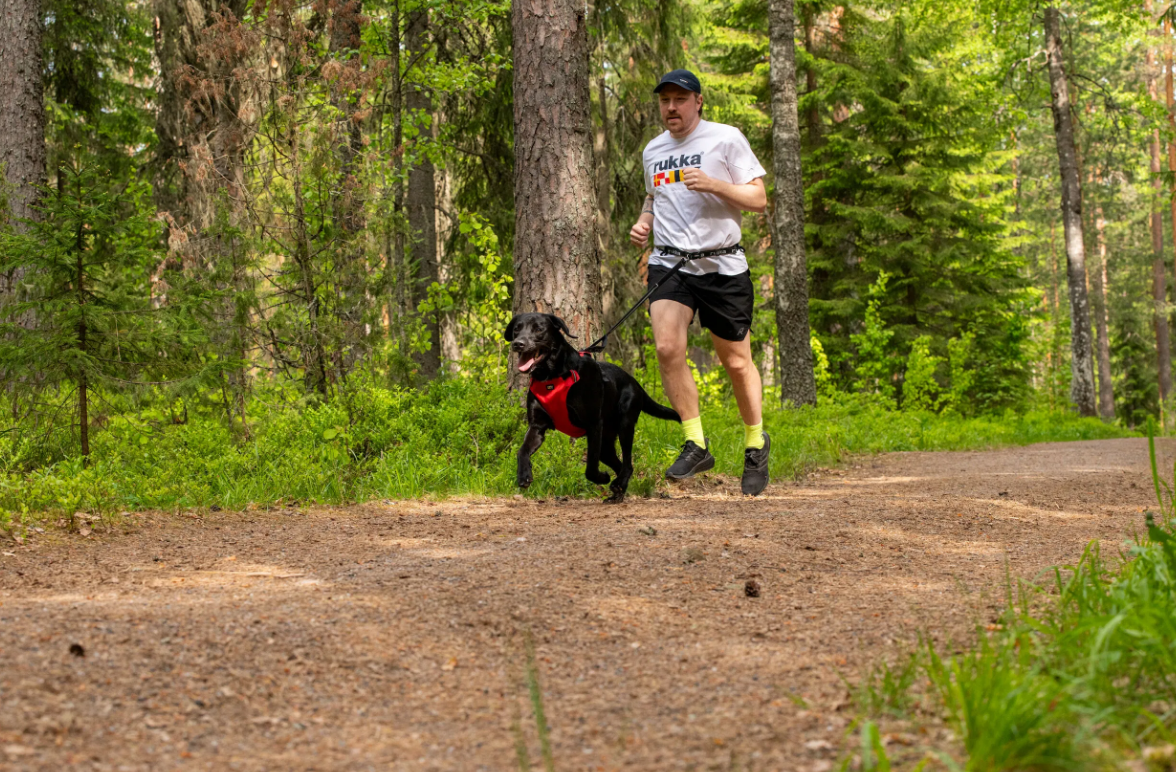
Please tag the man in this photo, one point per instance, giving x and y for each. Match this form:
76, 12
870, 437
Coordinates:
700, 177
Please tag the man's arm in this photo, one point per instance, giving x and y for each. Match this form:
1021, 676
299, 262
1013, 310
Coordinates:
751, 197
639, 233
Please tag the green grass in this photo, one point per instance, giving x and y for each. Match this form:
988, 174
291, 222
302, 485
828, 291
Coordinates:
459, 437
1081, 675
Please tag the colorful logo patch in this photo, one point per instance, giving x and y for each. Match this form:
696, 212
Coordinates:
665, 178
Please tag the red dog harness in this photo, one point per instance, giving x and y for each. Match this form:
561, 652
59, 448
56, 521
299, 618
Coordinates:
553, 396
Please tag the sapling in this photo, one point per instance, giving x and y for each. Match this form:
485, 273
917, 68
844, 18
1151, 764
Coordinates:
83, 321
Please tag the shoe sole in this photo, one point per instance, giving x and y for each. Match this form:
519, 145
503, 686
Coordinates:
702, 466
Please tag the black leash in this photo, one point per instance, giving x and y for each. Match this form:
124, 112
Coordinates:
599, 344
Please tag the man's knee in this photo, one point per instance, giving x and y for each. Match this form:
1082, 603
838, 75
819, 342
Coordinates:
739, 365
671, 351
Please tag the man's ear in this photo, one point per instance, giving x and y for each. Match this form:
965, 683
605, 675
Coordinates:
560, 325
508, 333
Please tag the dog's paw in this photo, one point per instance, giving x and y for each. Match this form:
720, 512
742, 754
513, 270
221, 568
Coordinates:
524, 480
598, 477
616, 498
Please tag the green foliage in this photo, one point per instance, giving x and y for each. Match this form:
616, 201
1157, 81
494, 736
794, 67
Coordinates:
962, 376
458, 437
918, 385
824, 379
85, 319
874, 373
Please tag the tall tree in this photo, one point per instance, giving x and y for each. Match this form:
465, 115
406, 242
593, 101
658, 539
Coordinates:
421, 200
556, 257
22, 119
797, 383
1159, 273
201, 181
1081, 351
1106, 389
345, 80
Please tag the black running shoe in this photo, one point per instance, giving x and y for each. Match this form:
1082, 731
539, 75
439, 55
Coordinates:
755, 468
691, 461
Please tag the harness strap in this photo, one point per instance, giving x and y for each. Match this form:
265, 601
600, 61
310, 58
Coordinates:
675, 252
599, 344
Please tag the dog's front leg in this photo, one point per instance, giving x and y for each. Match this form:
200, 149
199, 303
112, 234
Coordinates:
531, 443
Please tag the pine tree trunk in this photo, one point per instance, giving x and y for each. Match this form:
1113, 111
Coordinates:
1081, 365
200, 158
1159, 271
422, 201
396, 276
556, 258
797, 383
813, 116
603, 170
22, 119
83, 380
1106, 392
345, 25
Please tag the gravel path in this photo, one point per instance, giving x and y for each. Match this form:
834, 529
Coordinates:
393, 636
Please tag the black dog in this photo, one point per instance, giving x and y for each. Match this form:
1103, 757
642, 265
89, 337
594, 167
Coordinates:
603, 401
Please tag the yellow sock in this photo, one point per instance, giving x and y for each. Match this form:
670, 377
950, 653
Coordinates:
693, 429
753, 436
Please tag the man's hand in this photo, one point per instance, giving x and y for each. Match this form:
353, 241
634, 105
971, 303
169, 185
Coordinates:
696, 179
750, 197
639, 233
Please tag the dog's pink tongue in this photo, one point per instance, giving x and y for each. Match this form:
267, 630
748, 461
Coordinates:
527, 365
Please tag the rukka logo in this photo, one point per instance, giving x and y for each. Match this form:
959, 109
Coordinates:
677, 162
669, 170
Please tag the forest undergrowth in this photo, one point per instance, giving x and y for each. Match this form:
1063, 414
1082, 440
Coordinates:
458, 437
1078, 674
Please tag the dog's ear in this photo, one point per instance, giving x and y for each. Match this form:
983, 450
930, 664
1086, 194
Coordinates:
560, 325
509, 332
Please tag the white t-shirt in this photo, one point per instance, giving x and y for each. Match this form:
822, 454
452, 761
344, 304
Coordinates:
687, 219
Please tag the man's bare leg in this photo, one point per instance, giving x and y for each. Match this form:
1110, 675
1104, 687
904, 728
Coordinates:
671, 322
745, 377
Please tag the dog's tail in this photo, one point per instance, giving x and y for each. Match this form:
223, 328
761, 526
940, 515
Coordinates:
650, 407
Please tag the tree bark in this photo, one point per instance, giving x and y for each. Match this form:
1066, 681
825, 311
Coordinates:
421, 201
200, 159
603, 170
1081, 365
346, 27
22, 119
797, 383
556, 257
1159, 271
1106, 391
813, 116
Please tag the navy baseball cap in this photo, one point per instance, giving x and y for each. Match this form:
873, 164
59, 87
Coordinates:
684, 78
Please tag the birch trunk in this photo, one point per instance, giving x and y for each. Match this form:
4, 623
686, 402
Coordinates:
1081, 364
1106, 392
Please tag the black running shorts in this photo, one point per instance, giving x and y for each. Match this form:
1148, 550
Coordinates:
724, 304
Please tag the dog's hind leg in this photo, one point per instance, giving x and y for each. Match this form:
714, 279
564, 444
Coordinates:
608, 455
624, 468
592, 471
530, 444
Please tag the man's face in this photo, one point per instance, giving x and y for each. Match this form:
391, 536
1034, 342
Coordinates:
679, 108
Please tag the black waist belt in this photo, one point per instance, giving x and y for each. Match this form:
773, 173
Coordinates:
735, 250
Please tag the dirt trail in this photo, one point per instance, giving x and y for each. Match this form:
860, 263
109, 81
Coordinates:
389, 637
